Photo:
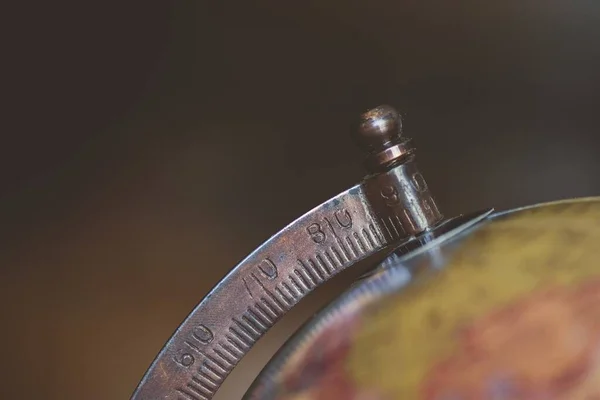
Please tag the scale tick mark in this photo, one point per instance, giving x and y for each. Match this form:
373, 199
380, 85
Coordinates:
257, 319
360, 242
352, 246
324, 266
209, 381
338, 256
377, 234
400, 226
277, 303
189, 396
285, 297
329, 258
224, 358
303, 279
232, 349
292, 293
267, 314
245, 337
296, 284
316, 271
203, 386
367, 236
308, 273
211, 369
198, 390
394, 226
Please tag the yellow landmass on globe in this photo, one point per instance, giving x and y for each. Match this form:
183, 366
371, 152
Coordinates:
405, 335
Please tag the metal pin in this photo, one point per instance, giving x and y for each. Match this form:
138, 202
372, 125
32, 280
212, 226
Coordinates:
380, 135
396, 189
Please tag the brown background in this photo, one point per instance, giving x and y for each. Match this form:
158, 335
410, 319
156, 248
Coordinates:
155, 145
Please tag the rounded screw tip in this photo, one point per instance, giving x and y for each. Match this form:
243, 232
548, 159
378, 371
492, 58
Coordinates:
378, 127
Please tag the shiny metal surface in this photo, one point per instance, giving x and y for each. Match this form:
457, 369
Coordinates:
389, 156
401, 199
386, 209
380, 135
399, 196
378, 127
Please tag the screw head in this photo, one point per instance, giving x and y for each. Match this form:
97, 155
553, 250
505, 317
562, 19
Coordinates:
378, 127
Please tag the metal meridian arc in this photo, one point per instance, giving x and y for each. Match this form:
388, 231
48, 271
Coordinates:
260, 290
390, 207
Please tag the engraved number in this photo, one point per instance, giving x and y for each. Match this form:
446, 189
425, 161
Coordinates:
317, 234
203, 334
390, 195
184, 359
343, 218
418, 182
268, 268
426, 205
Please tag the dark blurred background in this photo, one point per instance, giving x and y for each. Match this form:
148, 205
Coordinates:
155, 145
